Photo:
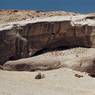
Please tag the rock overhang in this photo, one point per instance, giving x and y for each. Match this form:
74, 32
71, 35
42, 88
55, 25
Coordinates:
62, 30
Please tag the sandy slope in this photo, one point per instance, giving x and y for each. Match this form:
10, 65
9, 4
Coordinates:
56, 82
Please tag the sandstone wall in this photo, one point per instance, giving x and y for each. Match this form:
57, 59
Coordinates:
25, 42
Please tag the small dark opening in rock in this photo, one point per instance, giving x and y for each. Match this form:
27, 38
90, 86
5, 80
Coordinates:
41, 52
13, 58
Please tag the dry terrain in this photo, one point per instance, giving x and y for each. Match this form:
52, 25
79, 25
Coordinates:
56, 82
18, 15
57, 72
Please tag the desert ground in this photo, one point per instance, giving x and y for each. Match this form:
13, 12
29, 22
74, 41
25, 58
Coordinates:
55, 82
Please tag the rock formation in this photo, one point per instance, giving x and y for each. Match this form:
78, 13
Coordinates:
80, 59
58, 46
45, 33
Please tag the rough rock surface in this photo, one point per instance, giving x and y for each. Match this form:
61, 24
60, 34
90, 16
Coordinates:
45, 33
81, 59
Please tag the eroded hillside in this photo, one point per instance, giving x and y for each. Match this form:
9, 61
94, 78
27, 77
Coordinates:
58, 46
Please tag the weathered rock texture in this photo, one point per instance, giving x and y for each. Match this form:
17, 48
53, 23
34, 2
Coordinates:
81, 59
45, 33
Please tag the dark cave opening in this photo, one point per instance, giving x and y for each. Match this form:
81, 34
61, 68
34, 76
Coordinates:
12, 58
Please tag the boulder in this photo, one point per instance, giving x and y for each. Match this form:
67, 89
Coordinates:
80, 59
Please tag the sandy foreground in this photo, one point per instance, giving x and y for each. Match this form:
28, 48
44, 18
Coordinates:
56, 82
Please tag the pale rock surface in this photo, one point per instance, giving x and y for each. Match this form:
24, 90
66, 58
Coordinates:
81, 59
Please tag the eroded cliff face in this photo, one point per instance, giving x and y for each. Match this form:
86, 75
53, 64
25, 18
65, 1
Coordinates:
25, 40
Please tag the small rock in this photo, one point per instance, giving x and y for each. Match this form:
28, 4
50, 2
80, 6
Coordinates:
39, 76
1, 67
79, 76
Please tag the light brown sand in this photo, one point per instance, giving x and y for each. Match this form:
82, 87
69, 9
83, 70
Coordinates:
56, 82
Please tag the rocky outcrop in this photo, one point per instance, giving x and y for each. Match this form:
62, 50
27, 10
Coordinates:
32, 64
46, 33
80, 59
